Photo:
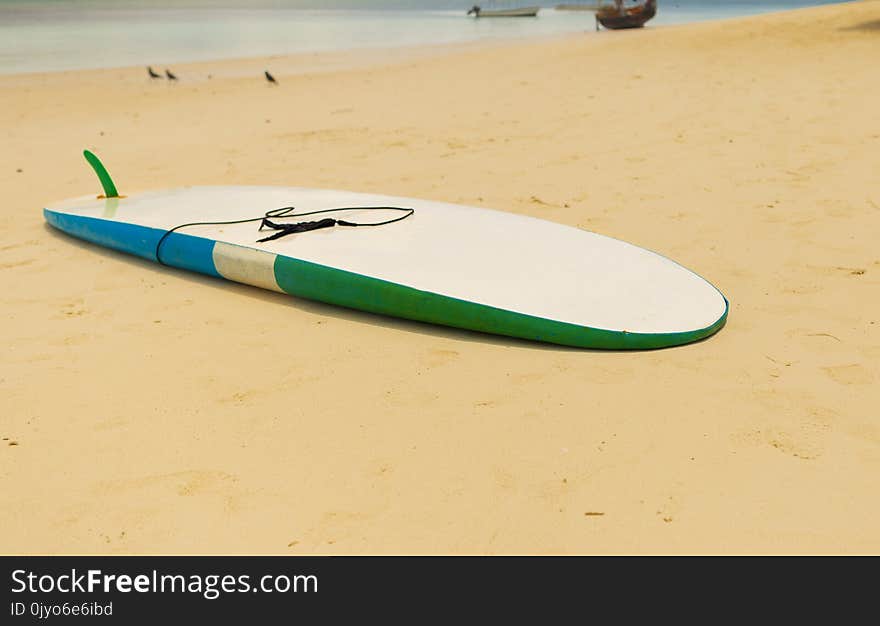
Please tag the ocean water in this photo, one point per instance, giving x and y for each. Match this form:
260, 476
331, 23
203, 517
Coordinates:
54, 35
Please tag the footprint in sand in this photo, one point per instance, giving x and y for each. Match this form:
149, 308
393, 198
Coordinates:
22, 244
838, 270
436, 358
853, 374
669, 509
198, 483
803, 438
851, 271
9, 266
240, 397
72, 340
528, 378
542, 202
74, 308
183, 483
504, 478
798, 448
381, 468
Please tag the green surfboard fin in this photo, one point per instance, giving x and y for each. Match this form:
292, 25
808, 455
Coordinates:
103, 176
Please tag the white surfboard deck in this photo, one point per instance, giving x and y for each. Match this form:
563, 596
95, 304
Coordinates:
498, 259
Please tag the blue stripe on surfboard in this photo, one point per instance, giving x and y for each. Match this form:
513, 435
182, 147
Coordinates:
184, 251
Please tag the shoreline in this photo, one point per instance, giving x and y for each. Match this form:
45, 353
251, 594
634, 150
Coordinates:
298, 63
155, 411
344, 58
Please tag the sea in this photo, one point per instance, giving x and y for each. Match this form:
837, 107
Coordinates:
58, 35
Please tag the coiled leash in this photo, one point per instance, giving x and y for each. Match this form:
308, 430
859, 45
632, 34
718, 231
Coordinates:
283, 228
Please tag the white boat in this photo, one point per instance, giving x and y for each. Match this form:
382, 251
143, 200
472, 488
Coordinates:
478, 11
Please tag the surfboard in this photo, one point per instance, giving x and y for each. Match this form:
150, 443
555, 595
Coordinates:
448, 264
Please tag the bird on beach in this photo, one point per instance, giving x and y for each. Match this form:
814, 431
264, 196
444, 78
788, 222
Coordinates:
170, 75
270, 78
152, 73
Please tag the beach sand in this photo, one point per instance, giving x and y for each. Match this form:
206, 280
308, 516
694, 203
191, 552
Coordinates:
151, 410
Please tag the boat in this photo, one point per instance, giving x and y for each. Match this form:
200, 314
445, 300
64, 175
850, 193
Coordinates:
478, 11
619, 16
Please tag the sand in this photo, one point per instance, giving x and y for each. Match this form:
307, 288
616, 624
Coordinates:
150, 410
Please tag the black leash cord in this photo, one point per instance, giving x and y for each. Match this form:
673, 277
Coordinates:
285, 229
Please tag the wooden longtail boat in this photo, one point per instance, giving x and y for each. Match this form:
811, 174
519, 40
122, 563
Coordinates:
617, 16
